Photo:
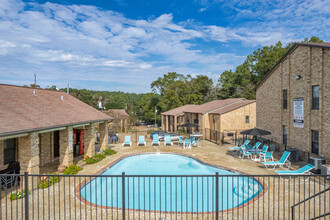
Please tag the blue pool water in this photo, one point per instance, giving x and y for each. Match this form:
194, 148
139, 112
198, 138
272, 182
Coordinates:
181, 194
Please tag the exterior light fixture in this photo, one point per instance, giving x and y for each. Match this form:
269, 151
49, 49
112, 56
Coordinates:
297, 77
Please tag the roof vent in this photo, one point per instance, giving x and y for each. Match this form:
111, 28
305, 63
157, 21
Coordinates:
62, 98
34, 92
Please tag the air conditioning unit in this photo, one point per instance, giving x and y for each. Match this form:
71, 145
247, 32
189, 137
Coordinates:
317, 162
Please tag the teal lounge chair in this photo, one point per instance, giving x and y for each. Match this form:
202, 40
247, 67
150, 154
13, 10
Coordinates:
245, 153
196, 143
168, 140
301, 171
256, 145
141, 141
155, 140
283, 161
238, 148
127, 141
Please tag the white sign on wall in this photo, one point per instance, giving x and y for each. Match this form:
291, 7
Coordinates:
70, 140
298, 112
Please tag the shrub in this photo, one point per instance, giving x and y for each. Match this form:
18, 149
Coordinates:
109, 152
49, 181
18, 195
96, 158
72, 169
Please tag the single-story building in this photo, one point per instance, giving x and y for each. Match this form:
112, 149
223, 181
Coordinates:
120, 120
172, 119
39, 126
293, 99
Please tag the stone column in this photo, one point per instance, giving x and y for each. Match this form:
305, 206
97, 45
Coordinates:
103, 129
89, 140
2, 146
28, 153
66, 151
175, 123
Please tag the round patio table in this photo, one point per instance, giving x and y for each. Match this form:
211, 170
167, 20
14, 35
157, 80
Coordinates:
255, 151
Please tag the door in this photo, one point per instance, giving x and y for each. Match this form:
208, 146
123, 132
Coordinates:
56, 144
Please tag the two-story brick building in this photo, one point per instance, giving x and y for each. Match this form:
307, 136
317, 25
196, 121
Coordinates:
39, 126
293, 99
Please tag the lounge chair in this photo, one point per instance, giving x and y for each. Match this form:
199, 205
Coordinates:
167, 140
301, 171
238, 148
256, 145
127, 141
141, 141
196, 143
155, 140
283, 161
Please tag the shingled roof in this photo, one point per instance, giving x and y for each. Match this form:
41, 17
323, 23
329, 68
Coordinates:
179, 110
232, 106
213, 105
25, 109
116, 113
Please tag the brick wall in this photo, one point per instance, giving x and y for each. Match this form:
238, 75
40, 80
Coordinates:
45, 148
66, 154
28, 153
313, 64
89, 139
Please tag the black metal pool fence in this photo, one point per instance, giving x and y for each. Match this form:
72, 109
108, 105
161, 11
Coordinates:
47, 196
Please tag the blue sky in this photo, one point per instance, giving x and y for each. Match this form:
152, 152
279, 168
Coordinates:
125, 45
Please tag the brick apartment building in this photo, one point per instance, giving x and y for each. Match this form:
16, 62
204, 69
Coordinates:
218, 116
293, 99
120, 120
40, 126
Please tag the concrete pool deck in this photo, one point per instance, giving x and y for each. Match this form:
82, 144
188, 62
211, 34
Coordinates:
61, 201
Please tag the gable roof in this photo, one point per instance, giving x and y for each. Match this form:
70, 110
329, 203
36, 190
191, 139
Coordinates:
21, 111
213, 105
232, 106
116, 113
179, 110
322, 45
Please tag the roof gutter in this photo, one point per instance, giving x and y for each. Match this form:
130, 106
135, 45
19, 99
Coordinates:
57, 127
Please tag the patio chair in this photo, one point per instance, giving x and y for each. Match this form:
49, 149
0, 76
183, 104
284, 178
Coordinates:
181, 141
302, 170
8, 182
238, 148
187, 144
283, 161
141, 141
266, 156
196, 143
256, 145
246, 153
168, 140
264, 150
127, 141
155, 140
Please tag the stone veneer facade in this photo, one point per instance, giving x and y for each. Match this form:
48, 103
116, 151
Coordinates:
28, 152
66, 154
313, 64
89, 139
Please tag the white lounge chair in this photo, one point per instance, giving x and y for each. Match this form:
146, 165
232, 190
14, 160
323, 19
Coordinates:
127, 141
141, 141
167, 140
155, 140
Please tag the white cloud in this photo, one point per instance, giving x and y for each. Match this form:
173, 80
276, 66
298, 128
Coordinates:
79, 42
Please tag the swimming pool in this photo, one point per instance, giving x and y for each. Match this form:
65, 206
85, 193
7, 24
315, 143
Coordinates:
170, 194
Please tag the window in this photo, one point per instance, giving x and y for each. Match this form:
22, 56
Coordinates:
316, 97
285, 99
195, 121
177, 120
9, 150
285, 134
315, 142
213, 118
247, 119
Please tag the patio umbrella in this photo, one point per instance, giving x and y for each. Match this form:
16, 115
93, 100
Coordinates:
189, 125
255, 132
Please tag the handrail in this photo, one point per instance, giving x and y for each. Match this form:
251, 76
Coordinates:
309, 198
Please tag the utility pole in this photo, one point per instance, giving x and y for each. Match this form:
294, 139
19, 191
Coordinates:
155, 116
35, 79
67, 87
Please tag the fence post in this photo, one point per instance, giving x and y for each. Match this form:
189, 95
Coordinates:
123, 193
26, 198
292, 212
216, 195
